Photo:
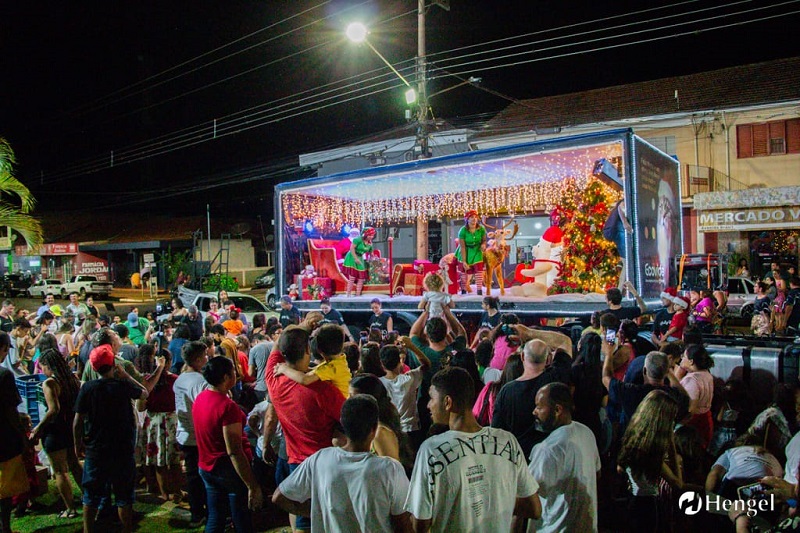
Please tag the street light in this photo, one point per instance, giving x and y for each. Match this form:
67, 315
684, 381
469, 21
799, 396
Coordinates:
357, 33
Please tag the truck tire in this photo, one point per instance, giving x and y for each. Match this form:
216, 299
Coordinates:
63, 294
83, 293
747, 311
271, 301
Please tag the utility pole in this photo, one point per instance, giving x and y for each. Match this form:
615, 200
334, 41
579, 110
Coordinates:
422, 93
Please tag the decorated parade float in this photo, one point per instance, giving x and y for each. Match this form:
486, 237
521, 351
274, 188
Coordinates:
550, 220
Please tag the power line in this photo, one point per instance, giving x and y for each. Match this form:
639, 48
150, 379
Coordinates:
248, 122
109, 99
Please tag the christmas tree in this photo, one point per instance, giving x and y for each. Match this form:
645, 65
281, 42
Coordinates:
589, 261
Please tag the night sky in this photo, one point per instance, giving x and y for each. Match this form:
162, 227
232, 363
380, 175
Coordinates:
145, 80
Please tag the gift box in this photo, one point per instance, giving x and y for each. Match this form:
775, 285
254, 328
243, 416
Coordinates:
425, 267
326, 283
412, 284
43, 476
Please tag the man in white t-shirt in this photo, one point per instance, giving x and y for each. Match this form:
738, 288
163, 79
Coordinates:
470, 478
349, 488
403, 388
565, 465
187, 387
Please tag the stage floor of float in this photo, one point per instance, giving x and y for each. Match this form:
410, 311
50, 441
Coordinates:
559, 305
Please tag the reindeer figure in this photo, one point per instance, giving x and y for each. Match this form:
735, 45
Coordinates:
496, 252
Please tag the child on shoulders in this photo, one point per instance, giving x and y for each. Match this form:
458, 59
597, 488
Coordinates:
434, 296
329, 343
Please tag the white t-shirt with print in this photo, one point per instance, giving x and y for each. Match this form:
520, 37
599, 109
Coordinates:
749, 462
469, 481
403, 393
349, 491
565, 465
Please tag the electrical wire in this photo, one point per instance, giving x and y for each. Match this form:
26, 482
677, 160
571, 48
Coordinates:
383, 22
249, 122
142, 86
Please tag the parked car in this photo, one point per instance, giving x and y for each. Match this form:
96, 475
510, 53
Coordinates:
271, 299
85, 285
47, 286
265, 280
15, 285
741, 297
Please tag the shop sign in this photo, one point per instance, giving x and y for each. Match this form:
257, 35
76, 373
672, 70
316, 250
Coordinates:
750, 219
52, 248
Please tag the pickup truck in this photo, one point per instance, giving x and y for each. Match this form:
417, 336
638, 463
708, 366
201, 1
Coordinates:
84, 285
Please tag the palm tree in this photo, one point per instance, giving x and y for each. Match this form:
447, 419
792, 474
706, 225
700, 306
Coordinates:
17, 218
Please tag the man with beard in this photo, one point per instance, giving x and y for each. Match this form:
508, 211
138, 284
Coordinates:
566, 464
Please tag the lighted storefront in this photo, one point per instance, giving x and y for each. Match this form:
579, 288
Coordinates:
759, 225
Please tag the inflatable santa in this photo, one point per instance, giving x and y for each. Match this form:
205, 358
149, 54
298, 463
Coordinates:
540, 275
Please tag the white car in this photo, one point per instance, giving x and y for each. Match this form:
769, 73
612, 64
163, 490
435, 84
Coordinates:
248, 304
741, 297
44, 287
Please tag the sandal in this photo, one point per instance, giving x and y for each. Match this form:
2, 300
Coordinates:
68, 513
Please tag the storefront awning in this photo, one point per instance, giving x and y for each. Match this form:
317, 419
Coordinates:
748, 210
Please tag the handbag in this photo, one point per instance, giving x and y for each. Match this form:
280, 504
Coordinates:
13, 478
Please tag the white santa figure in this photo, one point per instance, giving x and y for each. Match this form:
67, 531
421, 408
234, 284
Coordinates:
540, 275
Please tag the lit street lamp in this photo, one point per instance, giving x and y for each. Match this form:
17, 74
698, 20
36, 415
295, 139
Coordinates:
357, 33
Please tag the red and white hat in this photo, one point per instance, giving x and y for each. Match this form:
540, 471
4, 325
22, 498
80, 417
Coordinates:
669, 293
553, 235
681, 301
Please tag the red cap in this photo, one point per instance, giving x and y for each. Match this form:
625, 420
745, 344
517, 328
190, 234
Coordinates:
368, 232
102, 356
469, 214
553, 235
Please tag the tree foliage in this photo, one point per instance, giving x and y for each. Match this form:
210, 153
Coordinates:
589, 261
17, 202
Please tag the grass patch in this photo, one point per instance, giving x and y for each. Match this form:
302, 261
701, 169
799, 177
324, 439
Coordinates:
150, 515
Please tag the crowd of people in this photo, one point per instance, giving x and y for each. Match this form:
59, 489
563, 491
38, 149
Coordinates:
505, 428
776, 294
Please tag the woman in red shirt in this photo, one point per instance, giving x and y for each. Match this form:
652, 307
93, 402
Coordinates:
224, 451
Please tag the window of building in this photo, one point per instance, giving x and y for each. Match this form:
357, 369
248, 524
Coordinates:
769, 138
666, 144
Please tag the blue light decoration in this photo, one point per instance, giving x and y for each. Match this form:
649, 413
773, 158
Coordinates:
346, 228
308, 227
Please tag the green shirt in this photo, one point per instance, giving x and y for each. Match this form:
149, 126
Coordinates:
89, 373
473, 241
361, 248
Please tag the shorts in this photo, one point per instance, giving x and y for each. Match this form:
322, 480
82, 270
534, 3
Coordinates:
117, 471
55, 441
303, 523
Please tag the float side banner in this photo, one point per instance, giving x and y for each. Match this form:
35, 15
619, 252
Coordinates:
659, 230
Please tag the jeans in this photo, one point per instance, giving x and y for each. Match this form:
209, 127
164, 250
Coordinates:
195, 488
303, 523
226, 493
